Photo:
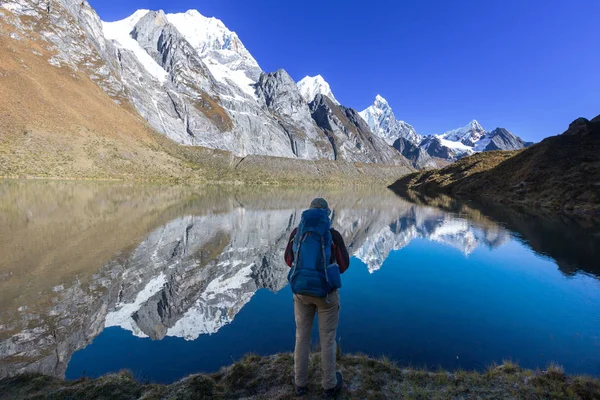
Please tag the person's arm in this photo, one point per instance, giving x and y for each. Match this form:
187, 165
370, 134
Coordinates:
340, 251
289, 250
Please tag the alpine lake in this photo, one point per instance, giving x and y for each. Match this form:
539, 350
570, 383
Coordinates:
166, 281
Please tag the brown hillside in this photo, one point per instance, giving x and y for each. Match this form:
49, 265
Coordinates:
561, 173
56, 122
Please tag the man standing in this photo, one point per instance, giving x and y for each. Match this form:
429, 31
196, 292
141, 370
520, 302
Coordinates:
317, 255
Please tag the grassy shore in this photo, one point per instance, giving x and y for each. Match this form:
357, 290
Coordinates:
257, 377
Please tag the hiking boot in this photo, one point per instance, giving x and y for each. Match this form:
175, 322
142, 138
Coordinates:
331, 393
300, 390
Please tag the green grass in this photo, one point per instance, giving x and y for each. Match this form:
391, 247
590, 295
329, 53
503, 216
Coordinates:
255, 377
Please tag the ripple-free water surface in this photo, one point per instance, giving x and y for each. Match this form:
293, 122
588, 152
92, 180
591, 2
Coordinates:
171, 281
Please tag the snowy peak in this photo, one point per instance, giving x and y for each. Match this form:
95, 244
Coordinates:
469, 139
310, 86
380, 102
467, 135
383, 123
212, 39
205, 33
220, 49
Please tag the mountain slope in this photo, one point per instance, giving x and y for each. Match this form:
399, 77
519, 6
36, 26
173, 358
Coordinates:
561, 173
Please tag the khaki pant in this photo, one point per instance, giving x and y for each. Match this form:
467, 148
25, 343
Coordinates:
328, 315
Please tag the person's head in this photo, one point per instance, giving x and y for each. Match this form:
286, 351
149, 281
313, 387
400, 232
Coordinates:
320, 203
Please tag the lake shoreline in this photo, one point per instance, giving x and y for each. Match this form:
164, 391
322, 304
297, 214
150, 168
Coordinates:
365, 377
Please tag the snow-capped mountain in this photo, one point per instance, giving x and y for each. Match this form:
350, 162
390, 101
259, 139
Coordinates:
430, 151
382, 121
467, 135
193, 80
189, 76
310, 86
470, 139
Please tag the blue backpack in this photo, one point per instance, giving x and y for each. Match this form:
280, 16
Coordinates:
312, 272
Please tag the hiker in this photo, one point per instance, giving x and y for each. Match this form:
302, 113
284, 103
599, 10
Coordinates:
316, 255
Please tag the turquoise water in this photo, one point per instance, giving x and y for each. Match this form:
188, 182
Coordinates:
201, 282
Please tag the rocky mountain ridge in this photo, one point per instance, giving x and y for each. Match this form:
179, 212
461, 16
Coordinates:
435, 150
193, 80
188, 76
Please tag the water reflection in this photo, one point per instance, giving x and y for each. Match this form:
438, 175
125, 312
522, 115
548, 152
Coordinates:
182, 262
573, 242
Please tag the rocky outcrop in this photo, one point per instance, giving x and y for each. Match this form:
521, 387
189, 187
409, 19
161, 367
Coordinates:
434, 147
419, 158
583, 127
283, 99
349, 134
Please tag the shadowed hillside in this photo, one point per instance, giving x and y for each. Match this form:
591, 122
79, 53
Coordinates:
561, 173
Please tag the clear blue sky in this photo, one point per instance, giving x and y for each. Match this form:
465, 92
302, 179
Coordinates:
531, 66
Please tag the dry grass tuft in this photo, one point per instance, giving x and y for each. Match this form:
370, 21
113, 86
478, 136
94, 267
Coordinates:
256, 377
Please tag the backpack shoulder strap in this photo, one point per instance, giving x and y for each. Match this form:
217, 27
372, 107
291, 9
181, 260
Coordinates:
300, 240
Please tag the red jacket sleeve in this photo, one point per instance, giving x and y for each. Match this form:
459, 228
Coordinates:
339, 250
289, 250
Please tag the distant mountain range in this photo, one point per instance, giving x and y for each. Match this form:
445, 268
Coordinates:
428, 151
193, 80
559, 174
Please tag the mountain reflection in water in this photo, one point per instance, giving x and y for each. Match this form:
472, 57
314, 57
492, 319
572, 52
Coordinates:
182, 262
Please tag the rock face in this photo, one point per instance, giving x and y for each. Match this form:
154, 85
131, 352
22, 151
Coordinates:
435, 147
221, 49
349, 134
419, 158
501, 139
282, 98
